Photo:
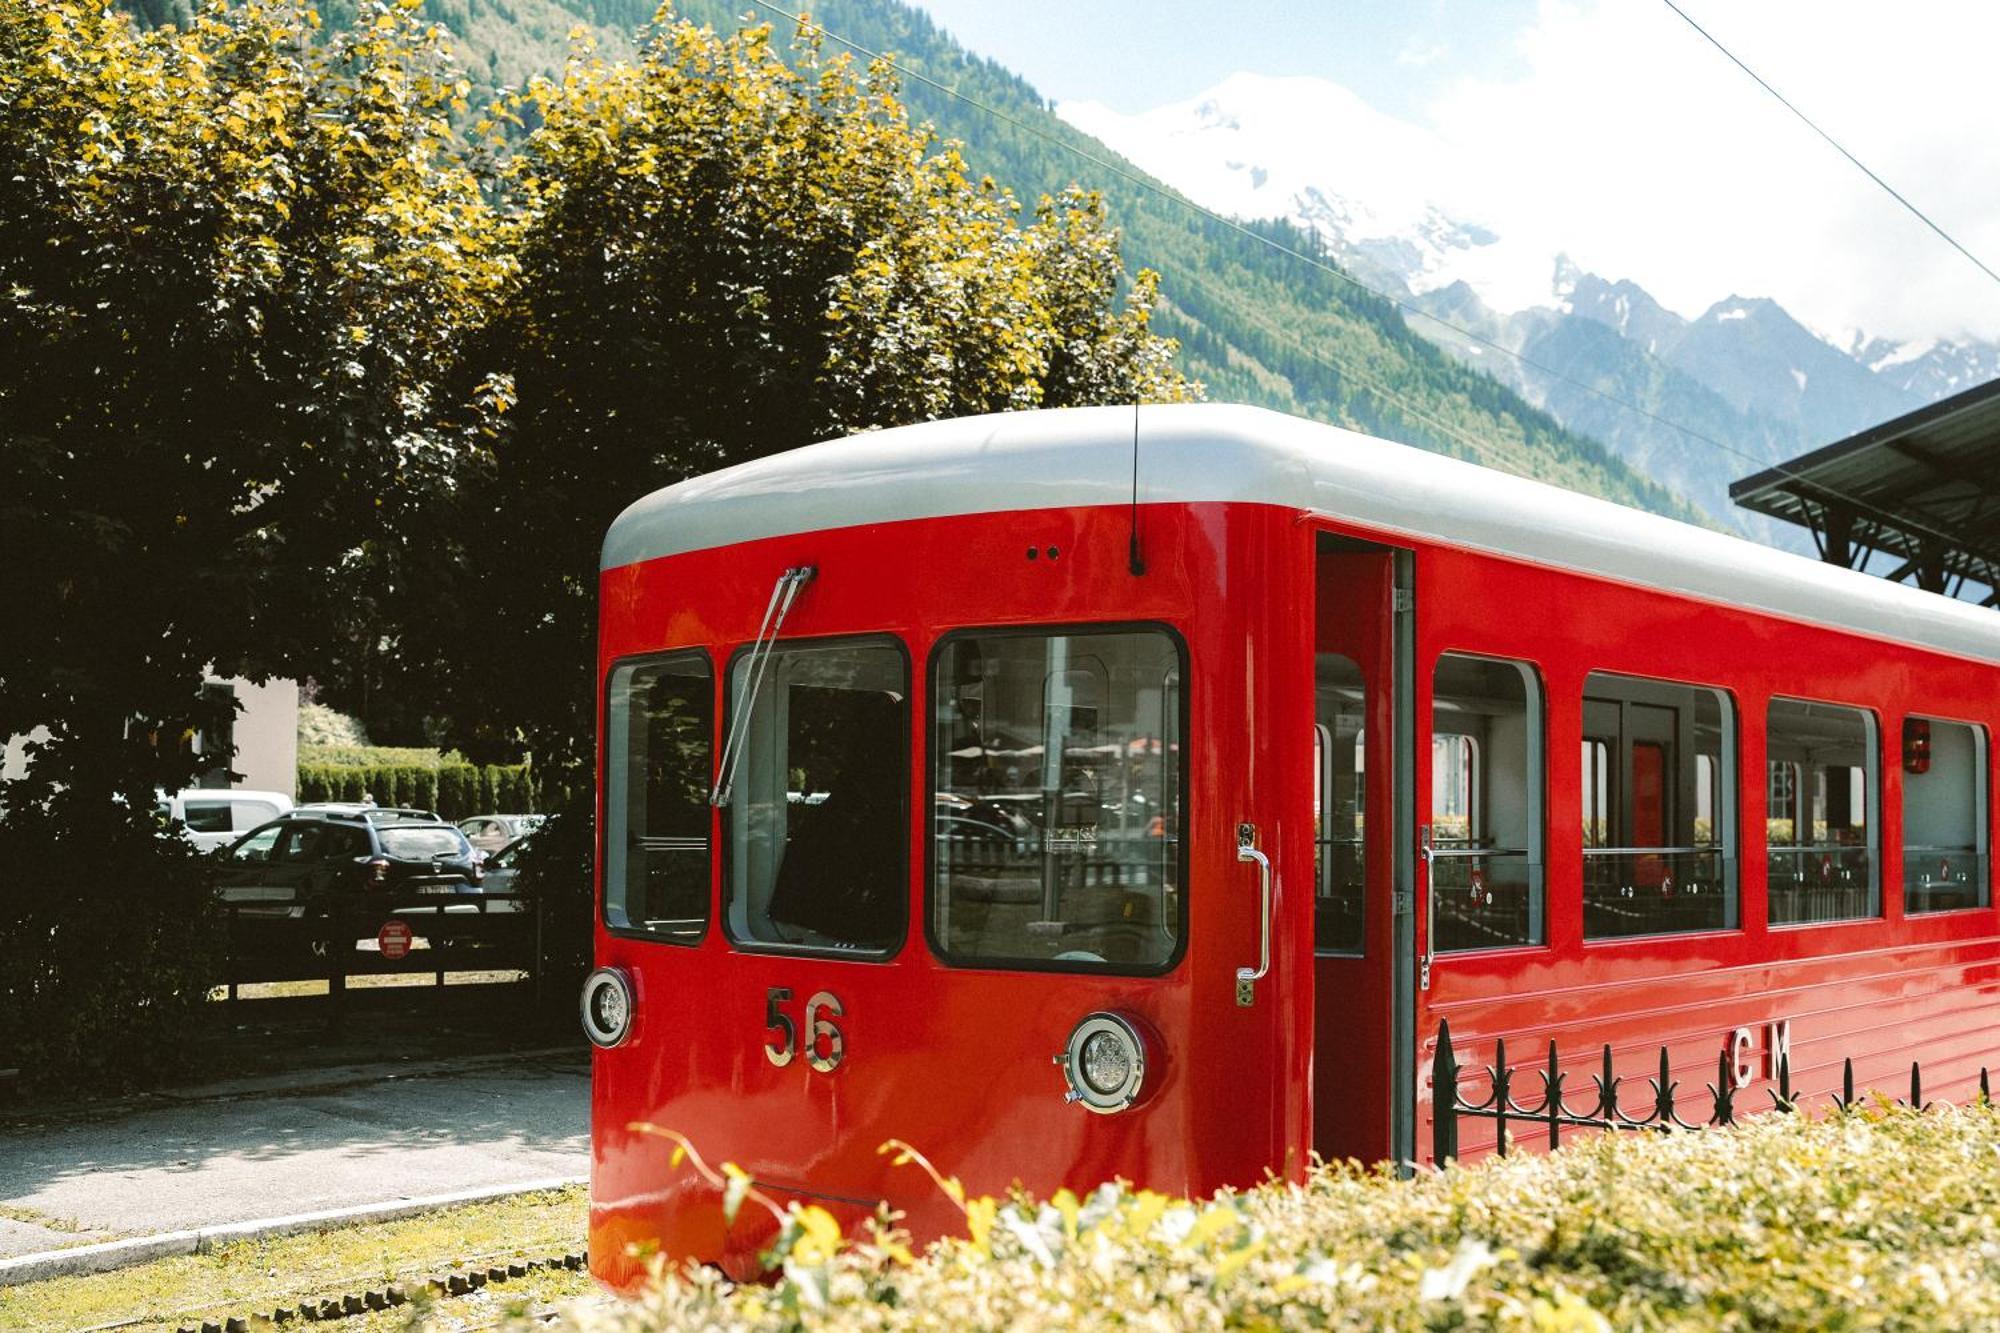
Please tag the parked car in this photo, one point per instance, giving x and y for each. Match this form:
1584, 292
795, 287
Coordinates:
490, 833
501, 867
213, 817
364, 865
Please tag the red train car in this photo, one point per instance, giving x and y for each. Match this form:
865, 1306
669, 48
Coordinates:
1131, 793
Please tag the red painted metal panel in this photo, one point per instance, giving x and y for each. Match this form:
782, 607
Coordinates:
958, 1062
1352, 996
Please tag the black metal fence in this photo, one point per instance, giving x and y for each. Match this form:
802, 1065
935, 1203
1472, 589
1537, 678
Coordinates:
1553, 1110
483, 932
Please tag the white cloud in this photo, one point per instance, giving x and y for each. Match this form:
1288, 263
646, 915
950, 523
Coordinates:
1418, 55
1662, 162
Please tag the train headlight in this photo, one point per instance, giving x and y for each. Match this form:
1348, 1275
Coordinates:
607, 1006
1104, 1063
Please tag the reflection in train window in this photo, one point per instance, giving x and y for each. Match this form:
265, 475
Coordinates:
1821, 823
659, 733
1486, 804
1056, 820
1658, 808
1944, 815
1340, 763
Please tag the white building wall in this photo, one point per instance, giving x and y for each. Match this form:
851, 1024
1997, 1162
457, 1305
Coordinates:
267, 736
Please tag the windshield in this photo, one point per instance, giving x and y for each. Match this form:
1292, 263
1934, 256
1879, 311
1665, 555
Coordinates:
818, 837
1057, 814
422, 844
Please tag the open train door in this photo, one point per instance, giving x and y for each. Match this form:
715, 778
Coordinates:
1364, 946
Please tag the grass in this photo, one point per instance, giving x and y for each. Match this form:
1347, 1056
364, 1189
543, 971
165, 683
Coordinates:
1876, 1218
257, 1275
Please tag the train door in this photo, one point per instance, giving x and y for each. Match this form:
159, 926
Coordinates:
1363, 946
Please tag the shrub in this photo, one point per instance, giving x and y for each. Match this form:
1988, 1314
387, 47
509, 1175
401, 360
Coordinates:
376, 756
320, 725
452, 800
1863, 1219
555, 865
455, 790
109, 942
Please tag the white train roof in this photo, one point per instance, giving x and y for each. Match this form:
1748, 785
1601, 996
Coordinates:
1214, 452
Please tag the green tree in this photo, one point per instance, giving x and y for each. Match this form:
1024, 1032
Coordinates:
724, 254
236, 261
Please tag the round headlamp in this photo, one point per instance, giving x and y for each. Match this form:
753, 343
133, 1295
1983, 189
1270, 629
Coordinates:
607, 1006
1104, 1063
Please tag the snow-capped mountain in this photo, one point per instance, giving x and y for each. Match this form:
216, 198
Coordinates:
1397, 209
1930, 368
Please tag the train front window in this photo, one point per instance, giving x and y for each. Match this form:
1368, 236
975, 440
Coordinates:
1056, 800
1658, 808
1944, 815
1822, 824
660, 729
1485, 825
817, 822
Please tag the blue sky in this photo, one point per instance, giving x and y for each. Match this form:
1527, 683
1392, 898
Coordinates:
1133, 56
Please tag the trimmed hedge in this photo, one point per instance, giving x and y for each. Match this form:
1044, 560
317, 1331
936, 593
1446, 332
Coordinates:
1878, 1217
454, 790
376, 756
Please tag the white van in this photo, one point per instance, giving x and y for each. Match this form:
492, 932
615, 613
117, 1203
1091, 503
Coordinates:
212, 818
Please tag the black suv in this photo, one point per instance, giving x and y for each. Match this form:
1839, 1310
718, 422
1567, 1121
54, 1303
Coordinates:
363, 865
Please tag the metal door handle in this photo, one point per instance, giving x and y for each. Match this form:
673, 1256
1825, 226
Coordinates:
1248, 977
1428, 852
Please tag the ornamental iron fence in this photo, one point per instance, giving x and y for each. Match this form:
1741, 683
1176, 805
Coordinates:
1552, 1112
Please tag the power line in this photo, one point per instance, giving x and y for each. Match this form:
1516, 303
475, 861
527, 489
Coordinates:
1151, 186
1785, 102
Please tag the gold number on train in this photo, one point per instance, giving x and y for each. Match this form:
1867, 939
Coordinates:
825, 1047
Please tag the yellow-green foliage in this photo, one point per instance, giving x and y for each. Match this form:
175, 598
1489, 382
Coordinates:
1878, 1218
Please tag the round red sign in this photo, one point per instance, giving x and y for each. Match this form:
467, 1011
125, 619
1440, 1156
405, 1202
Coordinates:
393, 939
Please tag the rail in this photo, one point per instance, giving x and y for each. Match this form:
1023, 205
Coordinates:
1552, 1112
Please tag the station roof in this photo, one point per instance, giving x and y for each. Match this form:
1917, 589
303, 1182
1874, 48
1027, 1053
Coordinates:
1216, 453
1924, 488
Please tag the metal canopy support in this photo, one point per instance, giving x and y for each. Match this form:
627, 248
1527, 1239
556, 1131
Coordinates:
1924, 489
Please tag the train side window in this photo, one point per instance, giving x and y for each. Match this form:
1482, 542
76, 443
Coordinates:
1486, 804
1944, 815
1659, 845
1821, 825
1340, 766
818, 827
660, 734
1056, 800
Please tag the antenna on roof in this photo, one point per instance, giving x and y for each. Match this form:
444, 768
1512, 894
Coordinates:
1135, 560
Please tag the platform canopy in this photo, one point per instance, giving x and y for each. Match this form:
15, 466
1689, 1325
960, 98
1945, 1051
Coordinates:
1923, 489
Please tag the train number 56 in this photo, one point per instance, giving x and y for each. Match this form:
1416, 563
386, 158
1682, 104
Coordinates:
824, 1047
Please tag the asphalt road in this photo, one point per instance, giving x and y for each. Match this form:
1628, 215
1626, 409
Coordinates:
204, 1160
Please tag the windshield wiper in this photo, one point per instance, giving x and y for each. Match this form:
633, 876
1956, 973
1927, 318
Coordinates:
783, 593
